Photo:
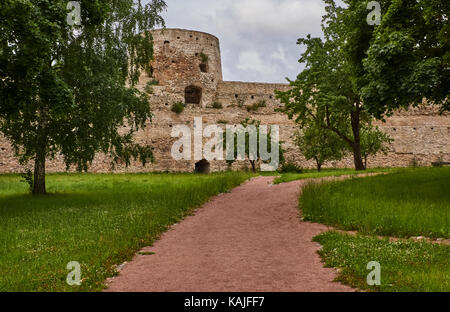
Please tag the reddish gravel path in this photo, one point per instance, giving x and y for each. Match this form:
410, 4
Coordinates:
249, 240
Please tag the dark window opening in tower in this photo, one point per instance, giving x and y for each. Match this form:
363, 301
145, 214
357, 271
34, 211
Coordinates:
192, 95
166, 47
204, 67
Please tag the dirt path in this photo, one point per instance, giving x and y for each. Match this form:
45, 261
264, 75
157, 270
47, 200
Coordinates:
249, 240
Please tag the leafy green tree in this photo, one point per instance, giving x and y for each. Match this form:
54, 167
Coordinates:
373, 141
409, 56
253, 156
70, 89
322, 145
327, 91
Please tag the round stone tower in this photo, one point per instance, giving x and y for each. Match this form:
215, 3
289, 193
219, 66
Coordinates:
187, 65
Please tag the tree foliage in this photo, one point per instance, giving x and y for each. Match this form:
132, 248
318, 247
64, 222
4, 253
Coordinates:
409, 56
320, 144
327, 91
373, 141
250, 128
71, 89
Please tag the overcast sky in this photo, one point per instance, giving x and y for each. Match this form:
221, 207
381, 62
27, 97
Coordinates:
257, 37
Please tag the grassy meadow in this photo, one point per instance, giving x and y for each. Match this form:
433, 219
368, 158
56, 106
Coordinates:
312, 174
98, 220
405, 203
406, 266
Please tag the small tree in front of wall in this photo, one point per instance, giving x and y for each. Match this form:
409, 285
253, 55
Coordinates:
246, 123
320, 145
373, 141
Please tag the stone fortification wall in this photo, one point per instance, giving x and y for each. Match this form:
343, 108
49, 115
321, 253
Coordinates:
187, 68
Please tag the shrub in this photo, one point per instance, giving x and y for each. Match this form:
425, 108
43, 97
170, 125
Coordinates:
414, 163
439, 162
149, 89
290, 168
149, 86
178, 108
203, 57
262, 103
256, 106
217, 105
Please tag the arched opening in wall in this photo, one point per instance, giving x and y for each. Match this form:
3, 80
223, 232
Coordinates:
204, 67
192, 95
202, 166
166, 49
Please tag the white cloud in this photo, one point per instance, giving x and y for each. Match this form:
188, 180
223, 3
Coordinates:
251, 62
258, 37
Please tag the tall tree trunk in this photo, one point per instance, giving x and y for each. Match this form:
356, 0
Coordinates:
357, 156
39, 175
41, 148
319, 166
253, 162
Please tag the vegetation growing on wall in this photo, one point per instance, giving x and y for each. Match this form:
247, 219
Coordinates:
217, 105
178, 108
256, 106
203, 58
149, 86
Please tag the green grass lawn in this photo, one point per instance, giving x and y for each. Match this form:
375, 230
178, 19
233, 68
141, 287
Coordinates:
409, 202
97, 220
406, 266
405, 203
311, 174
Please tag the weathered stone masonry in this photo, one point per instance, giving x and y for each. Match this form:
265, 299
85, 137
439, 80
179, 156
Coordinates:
188, 69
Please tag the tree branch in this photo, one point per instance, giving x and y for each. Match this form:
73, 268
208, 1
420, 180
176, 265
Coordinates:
335, 130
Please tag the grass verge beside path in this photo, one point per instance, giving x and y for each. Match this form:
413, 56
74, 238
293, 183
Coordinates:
312, 174
408, 202
96, 220
406, 266
413, 202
